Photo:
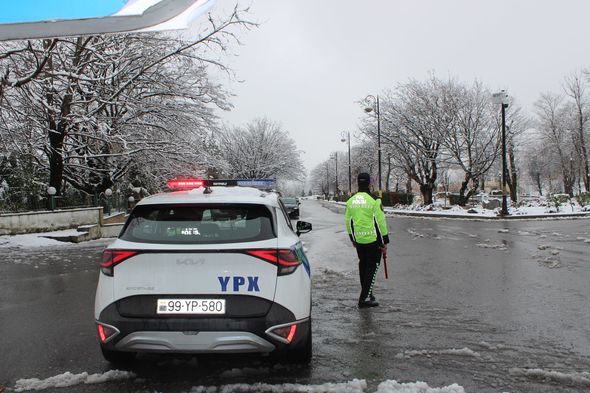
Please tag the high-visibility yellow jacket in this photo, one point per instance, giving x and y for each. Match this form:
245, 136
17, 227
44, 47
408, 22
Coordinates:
365, 220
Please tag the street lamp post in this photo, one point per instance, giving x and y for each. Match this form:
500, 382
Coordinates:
369, 109
327, 181
347, 139
502, 99
130, 203
118, 200
108, 193
51, 191
335, 157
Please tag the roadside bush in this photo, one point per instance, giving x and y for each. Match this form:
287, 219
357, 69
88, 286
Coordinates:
397, 198
454, 199
557, 200
584, 198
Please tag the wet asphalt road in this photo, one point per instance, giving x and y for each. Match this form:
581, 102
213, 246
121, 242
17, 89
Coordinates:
494, 306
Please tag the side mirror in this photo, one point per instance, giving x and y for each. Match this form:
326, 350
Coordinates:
303, 227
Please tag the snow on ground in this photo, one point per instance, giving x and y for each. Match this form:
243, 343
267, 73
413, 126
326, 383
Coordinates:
68, 379
35, 239
455, 352
499, 247
354, 386
582, 378
438, 209
487, 345
478, 211
393, 386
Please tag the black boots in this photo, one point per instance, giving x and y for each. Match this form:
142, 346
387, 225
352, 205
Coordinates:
371, 302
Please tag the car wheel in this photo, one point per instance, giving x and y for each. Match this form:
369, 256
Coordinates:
117, 357
303, 354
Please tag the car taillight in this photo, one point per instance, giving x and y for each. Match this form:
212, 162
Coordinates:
286, 259
110, 258
283, 333
106, 332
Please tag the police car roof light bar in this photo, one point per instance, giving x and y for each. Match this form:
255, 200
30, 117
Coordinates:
185, 184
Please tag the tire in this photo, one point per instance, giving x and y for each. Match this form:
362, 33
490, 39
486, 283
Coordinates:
117, 357
302, 355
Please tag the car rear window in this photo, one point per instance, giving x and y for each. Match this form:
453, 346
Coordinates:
199, 224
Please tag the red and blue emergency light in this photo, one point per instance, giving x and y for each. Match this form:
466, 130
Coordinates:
189, 183
185, 184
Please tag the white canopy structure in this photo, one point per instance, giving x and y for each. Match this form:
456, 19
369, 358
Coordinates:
29, 19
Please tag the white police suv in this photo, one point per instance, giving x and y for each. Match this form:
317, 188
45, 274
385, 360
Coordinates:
214, 269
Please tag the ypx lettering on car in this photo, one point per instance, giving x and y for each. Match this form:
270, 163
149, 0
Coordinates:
238, 282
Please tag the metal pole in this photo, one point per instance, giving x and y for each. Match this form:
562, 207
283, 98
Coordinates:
327, 180
504, 211
379, 141
336, 158
349, 168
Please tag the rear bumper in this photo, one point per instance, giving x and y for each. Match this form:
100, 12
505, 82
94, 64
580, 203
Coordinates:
194, 342
201, 334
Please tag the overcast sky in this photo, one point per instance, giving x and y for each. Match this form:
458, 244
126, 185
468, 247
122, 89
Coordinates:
311, 60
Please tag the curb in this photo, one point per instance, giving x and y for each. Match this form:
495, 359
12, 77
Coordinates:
492, 218
551, 216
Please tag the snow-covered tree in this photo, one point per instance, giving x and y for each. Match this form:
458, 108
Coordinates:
552, 123
260, 149
415, 117
472, 143
88, 109
575, 89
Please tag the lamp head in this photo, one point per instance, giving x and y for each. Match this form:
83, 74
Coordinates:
500, 97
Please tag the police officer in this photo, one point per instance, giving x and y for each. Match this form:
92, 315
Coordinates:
367, 228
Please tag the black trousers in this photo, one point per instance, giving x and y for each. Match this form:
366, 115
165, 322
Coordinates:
369, 261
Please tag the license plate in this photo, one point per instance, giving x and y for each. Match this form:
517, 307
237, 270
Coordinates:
191, 306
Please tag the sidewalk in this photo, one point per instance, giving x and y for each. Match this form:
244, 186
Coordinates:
42, 239
456, 212
110, 228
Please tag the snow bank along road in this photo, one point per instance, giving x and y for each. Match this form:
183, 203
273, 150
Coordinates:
469, 306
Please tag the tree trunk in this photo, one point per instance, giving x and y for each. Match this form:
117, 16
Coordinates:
426, 191
464, 185
538, 183
511, 175
388, 173
56, 161
583, 151
568, 184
